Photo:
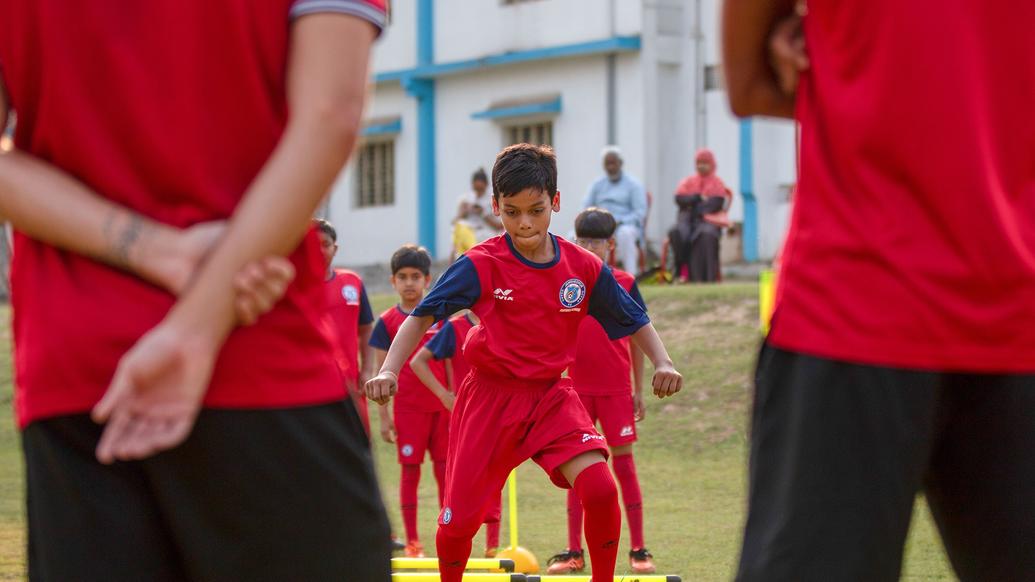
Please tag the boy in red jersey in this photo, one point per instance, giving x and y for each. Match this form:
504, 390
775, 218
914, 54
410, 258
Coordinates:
351, 319
901, 356
531, 290
608, 377
421, 421
448, 347
123, 112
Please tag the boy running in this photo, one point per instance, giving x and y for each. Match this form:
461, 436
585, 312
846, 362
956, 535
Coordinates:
351, 320
608, 377
531, 290
448, 347
421, 421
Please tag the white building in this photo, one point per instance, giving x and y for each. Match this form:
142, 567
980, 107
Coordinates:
457, 80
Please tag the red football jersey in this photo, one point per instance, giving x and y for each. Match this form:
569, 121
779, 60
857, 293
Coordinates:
603, 366
413, 394
347, 309
448, 343
912, 242
530, 312
171, 109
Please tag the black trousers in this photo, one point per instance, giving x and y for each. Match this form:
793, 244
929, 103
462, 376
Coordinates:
285, 494
839, 452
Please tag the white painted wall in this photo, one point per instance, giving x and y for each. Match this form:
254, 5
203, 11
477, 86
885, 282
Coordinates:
397, 47
655, 120
467, 29
369, 235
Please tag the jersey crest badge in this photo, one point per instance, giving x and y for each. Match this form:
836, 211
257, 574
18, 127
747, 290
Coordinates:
350, 293
573, 291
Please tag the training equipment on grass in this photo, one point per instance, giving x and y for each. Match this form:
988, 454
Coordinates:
587, 578
524, 560
499, 564
468, 577
766, 298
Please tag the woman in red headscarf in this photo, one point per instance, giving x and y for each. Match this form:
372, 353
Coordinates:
703, 200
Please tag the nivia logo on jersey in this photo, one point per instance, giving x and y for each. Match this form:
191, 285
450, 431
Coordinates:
503, 294
586, 437
573, 291
350, 294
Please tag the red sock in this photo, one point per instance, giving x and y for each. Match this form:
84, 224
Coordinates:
599, 496
408, 500
452, 556
492, 524
574, 521
625, 470
492, 534
440, 478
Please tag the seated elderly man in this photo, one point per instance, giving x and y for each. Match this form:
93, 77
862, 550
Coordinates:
624, 197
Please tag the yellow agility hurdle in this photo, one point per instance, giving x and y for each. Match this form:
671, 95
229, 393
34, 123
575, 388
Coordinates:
628, 578
503, 564
468, 577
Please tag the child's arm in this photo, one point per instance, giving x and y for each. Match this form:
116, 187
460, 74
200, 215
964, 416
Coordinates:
420, 366
636, 355
667, 381
754, 36
382, 387
457, 289
384, 411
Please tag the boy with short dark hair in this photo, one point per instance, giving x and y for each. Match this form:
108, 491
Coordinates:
448, 347
350, 318
608, 377
531, 290
421, 422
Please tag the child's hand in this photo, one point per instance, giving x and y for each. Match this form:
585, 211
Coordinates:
448, 400
667, 381
639, 408
382, 387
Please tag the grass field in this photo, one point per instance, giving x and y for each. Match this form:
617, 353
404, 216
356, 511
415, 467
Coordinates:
690, 457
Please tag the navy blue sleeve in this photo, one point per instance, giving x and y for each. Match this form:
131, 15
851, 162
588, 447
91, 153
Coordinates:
618, 313
443, 343
458, 288
379, 339
366, 315
634, 292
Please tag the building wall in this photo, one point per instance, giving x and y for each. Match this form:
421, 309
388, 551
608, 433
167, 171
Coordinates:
658, 122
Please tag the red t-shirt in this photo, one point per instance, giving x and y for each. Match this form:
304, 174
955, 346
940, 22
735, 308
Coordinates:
603, 367
912, 242
170, 109
448, 343
347, 308
413, 395
529, 312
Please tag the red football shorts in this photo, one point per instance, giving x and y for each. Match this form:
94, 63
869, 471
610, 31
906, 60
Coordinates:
616, 416
497, 424
417, 433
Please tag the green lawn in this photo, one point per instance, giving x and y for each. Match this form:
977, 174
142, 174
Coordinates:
690, 457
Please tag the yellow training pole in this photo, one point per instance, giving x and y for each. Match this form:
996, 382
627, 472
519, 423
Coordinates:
512, 507
524, 560
766, 299
472, 564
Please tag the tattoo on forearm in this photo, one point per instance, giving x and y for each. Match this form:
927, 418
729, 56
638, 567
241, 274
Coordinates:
123, 230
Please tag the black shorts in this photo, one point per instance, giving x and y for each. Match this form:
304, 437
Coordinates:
839, 452
283, 494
